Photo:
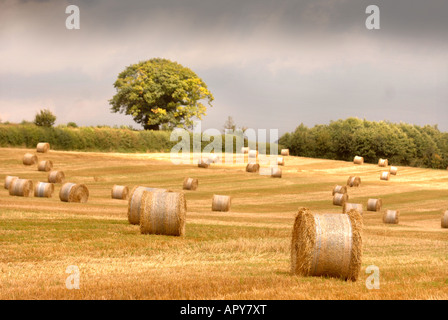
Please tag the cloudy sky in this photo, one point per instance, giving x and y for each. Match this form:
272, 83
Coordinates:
269, 64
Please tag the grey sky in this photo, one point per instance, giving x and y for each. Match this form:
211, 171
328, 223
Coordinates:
269, 64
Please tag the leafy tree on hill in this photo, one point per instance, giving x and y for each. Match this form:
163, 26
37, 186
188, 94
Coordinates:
45, 118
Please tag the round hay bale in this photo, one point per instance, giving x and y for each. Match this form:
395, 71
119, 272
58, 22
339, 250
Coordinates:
284, 152
385, 175
43, 147
72, 192
374, 204
120, 192
163, 213
339, 189
327, 245
276, 172
358, 160
203, 164
253, 154
190, 184
339, 199
253, 167
352, 206
353, 181
221, 203
21, 188
245, 150
45, 165
391, 216
56, 177
29, 159
8, 181
393, 170
444, 222
280, 161
44, 190
383, 163
135, 201
214, 158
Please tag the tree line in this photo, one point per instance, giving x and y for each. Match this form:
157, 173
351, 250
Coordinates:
401, 143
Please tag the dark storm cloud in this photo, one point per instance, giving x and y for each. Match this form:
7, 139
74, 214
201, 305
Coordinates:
269, 64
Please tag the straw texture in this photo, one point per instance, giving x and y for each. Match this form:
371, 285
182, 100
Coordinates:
385, 175
393, 170
339, 189
327, 244
8, 181
276, 172
135, 201
352, 206
72, 192
120, 192
353, 181
444, 222
339, 199
21, 188
44, 190
45, 165
280, 161
190, 184
221, 203
391, 216
284, 152
163, 213
253, 167
374, 204
29, 159
43, 147
358, 160
56, 177
383, 163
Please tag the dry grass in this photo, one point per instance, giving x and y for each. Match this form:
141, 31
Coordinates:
242, 254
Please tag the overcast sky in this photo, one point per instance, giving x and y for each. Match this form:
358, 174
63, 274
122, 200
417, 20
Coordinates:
269, 64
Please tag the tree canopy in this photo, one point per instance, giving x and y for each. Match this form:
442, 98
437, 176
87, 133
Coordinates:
159, 91
45, 118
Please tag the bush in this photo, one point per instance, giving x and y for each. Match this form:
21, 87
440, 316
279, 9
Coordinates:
44, 118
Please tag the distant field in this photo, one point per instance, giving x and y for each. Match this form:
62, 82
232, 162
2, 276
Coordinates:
242, 254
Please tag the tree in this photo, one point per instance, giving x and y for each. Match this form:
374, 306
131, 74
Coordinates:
44, 118
229, 124
72, 124
159, 91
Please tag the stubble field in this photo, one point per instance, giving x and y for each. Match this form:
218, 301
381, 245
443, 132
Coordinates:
241, 254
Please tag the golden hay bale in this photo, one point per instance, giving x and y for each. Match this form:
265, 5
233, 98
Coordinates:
327, 244
214, 158
163, 213
284, 152
29, 159
221, 203
203, 164
245, 150
43, 147
56, 177
253, 154
374, 204
21, 187
383, 163
135, 201
72, 192
44, 190
45, 165
280, 161
339, 189
444, 222
120, 192
190, 184
339, 199
276, 172
385, 175
393, 170
8, 181
353, 181
358, 160
352, 206
391, 216
253, 167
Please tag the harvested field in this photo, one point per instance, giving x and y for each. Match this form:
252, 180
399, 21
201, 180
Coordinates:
240, 254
